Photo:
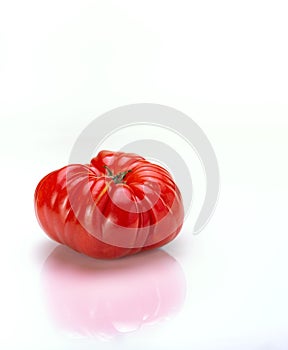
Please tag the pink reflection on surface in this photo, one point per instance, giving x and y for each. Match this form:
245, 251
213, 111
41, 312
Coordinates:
90, 297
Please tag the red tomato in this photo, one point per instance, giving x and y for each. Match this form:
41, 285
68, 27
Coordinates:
119, 204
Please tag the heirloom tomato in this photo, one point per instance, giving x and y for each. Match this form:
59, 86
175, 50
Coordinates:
119, 204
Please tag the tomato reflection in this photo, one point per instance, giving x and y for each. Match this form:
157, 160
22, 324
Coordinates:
90, 297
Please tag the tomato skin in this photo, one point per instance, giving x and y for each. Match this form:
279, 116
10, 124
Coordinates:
118, 205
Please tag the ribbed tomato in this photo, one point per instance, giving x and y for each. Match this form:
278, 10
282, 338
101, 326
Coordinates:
117, 205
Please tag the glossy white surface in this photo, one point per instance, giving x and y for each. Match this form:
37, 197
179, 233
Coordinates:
222, 63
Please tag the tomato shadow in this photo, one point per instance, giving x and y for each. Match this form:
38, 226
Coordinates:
89, 297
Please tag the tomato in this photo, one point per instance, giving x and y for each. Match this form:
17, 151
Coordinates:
119, 204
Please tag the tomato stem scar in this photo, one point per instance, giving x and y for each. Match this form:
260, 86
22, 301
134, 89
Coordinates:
118, 178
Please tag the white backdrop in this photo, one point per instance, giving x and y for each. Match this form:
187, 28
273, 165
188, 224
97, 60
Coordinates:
224, 63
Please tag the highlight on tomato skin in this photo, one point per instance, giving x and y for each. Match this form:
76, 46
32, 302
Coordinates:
119, 204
